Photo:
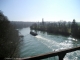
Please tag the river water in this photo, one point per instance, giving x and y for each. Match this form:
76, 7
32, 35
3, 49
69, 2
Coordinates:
45, 43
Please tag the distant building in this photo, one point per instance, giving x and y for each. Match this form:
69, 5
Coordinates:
42, 21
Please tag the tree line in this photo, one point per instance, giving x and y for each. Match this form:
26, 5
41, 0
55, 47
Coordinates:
9, 37
60, 27
21, 24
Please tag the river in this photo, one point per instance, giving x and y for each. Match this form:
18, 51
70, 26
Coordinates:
45, 43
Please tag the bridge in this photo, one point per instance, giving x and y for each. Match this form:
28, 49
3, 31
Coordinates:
61, 54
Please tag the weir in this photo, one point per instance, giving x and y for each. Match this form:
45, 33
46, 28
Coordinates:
61, 54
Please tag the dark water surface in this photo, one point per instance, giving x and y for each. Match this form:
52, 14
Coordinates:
45, 43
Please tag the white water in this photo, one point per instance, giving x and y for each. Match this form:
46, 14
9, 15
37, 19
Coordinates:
55, 46
52, 44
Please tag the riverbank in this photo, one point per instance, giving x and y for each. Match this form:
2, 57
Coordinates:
61, 27
15, 53
45, 43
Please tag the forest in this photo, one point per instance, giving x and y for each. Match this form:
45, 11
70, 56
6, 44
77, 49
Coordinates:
9, 38
61, 27
21, 24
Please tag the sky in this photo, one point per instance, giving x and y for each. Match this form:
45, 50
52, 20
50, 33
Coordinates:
35, 10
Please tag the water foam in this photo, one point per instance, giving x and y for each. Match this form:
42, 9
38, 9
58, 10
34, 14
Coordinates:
72, 39
53, 44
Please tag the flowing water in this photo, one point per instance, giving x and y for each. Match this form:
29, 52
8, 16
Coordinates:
45, 43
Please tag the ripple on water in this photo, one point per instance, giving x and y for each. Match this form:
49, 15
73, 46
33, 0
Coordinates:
44, 43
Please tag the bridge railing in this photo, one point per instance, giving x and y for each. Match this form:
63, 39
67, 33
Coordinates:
60, 54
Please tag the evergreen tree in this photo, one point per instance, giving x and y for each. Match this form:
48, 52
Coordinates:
74, 28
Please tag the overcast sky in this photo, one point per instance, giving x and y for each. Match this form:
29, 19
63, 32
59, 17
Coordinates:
35, 10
